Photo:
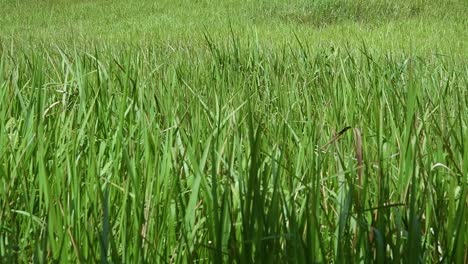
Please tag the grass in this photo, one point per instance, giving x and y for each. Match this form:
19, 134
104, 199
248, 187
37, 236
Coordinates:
417, 26
235, 146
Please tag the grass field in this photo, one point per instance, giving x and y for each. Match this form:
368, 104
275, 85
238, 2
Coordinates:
327, 131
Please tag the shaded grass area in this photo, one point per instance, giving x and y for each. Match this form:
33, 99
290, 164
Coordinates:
236, 152
322, 14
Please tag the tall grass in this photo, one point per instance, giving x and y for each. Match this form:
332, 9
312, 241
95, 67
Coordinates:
233, 153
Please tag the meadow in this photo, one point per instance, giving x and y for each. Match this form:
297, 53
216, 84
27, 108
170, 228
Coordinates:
330, 131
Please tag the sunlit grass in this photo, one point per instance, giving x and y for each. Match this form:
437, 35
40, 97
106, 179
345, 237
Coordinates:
418, 26
232, 153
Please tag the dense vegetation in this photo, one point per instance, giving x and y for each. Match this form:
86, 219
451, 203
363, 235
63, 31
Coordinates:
217, 144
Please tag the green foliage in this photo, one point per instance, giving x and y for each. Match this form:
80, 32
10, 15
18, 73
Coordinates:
233, 131
144, 155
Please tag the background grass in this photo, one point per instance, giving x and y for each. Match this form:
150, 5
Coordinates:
181, 132
413, 26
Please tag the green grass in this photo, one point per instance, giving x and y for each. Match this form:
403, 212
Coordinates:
317, 140
419, 26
